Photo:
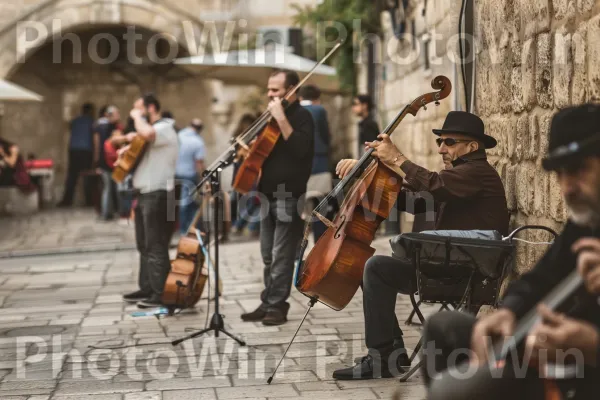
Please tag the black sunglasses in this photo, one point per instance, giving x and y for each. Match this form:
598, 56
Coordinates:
449, 141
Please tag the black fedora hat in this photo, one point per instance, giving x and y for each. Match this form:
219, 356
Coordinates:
574, 133
467, 124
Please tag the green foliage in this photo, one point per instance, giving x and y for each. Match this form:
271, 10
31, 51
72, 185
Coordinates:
329, 19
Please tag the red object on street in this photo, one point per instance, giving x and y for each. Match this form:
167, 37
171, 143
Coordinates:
41, 163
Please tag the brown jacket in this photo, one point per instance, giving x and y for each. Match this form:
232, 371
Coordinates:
468, 196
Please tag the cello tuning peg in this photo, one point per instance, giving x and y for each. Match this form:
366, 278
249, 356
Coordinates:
437, 103
424, 107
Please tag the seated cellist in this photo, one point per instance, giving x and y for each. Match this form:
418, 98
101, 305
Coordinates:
467, 194
574, 153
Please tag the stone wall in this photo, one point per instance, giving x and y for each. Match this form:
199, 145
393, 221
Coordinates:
535, 57
404, 77
532, 59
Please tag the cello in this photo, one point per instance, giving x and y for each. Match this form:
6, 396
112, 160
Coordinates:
256, 143
333, 270
186, 279
451, 384
128, 160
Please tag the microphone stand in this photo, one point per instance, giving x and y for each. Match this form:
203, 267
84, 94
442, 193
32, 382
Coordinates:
216, 322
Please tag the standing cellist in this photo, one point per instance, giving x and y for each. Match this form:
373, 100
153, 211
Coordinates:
282, 184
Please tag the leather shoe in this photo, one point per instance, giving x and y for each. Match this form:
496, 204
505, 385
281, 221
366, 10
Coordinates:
399, 351
274, 317
151, 302
256, 315
366, 370
136, 296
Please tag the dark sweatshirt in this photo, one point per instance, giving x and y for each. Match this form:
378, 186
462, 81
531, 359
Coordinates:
288, 166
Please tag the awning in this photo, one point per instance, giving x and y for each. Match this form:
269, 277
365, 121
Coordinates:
11, 92
254, 67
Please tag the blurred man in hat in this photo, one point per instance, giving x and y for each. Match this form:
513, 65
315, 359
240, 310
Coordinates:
574, 154
468, 194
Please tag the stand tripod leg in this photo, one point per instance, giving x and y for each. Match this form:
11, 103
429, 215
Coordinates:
216, 323
240, 342
311, 303
193, 335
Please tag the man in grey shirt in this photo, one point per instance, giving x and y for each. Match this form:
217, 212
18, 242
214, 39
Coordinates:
153, 180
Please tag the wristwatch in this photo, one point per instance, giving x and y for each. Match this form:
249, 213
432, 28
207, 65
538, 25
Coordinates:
396, 159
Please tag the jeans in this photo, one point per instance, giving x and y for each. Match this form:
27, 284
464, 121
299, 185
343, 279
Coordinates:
108, 195
187, 205
383, 278
125, 197
248, 212
79, 161
152, 235
280, 233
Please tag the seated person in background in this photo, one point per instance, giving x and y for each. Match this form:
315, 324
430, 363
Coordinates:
12, 169
468, 194
574, 153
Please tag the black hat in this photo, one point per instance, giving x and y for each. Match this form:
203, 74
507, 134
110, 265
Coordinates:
467, 124
574, 133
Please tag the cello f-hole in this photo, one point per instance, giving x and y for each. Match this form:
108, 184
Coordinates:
337, 232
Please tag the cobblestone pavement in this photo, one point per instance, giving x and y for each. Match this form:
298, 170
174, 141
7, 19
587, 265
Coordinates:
62, 230
53, 308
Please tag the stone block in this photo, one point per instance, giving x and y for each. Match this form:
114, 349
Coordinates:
540, 186
563, 68
510, 187
511, 137
511, 130
516, 85
593, 58
536, 16
522, 138
483, 94
524, 188
522, 258
543, 71
544, 123
579, 53
584, 6
556, 201
533, 148
528, 77
563, 9
501, 167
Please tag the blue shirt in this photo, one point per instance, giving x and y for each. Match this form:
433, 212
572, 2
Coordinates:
82, 129
322, 137
191, 149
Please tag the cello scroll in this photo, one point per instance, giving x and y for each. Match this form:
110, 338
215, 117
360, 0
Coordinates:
443, 87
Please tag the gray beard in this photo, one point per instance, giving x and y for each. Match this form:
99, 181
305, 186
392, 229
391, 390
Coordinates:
589, 217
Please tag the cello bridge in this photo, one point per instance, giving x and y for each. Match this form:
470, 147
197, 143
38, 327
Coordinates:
324, 220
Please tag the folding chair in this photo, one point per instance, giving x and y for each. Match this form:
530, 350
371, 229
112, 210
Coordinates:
456, 271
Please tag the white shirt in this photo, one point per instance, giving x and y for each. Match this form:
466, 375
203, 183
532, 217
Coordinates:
156, 170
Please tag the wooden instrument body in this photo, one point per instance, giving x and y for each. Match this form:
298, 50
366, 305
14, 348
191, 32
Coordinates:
129, 160
249, 170
185, 282
333, 270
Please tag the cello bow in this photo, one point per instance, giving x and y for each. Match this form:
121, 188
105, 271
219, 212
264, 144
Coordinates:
449, 385
244, 139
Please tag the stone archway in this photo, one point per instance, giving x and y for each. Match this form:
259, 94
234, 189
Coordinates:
43, 128
155, 15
